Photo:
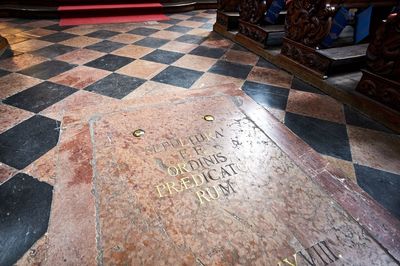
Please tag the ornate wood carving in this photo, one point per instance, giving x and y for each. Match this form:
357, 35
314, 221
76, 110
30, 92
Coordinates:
382, 80
254, 32
308, 21
228, 5
383, 54
381, 89
305, 56
251, 20
225, 14
253, 11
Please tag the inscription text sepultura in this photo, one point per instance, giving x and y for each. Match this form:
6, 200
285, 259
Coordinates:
208, 174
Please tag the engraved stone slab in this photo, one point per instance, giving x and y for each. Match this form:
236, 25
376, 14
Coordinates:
190, 190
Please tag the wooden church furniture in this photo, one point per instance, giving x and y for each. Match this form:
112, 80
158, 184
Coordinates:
381, 77
3, 45
252, 25
49, 8
309, 22
228, 14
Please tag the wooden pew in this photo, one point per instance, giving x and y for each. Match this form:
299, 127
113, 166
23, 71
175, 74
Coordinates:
228, 14
252, 26
3, 45
307, 24
381, 78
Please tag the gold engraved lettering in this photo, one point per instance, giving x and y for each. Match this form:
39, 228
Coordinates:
198, 150
179, 169
201, 195
286, 261
227, 189
219, 134
183, 153
172, 171
195, 181
224, 172
215, 192
184, 183
211, 177
183, 144
171, 185
158, 189
208, 136
182, 168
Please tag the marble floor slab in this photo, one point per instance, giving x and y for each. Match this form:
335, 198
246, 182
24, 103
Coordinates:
191, 191
54, 76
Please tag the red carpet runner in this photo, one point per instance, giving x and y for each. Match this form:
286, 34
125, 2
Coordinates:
110, 13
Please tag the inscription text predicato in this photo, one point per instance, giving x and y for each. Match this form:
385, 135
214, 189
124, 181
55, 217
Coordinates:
213, 171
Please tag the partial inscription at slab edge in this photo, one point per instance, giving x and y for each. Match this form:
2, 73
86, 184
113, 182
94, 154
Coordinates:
213, 193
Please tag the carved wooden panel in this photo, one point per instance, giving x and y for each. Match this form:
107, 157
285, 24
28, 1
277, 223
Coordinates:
228, 5
383, 54
305, 56
254, 32
253, 11
308, 21
381, 89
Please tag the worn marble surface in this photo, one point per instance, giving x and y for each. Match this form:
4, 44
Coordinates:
107, 209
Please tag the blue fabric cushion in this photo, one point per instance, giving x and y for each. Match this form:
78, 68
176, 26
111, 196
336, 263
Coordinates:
362, 24
339, 21
273, 11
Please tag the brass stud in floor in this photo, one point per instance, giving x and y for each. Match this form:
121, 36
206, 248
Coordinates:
138, 133
208, 118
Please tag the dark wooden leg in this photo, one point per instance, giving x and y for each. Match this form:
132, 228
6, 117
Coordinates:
3, 44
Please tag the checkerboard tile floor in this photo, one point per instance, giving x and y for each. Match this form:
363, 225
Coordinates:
49, 64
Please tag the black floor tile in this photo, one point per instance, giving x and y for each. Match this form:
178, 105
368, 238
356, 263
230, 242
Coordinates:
231, 69
215, 36
383, 186
57, 27
162, 56
105, 46
300, 85
355, 118
238, 47
267, 95
192, 13
151, 42
264, 63
325, 137
172, 21
54, 50
9, 53
27, 141
3, 72
102, 34
39, 97
25, 206
208, 52
207, 26
115, 85
57, 37
177, 28
199, 19
143, 31
20, 21
193, 39
110, 62
177, 76
47, 69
